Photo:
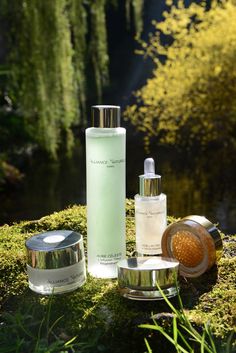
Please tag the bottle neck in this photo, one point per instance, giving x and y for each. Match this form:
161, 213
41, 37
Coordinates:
149, 186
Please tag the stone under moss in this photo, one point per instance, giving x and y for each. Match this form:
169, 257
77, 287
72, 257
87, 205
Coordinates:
96, 312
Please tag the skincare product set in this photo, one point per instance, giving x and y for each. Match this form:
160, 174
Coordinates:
189, 247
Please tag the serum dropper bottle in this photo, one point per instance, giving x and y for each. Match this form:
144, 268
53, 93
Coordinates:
150, 212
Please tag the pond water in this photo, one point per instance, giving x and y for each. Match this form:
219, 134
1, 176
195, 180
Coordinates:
195, 183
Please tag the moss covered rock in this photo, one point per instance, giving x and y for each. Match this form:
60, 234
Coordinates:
96, 313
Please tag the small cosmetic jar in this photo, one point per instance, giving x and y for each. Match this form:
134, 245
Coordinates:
195, 242
138, 277
55, 262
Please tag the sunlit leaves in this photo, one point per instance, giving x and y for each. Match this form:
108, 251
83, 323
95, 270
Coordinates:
191, 96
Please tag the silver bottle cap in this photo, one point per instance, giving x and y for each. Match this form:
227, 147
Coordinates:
55, 249
149, 182
143, 273
106, 116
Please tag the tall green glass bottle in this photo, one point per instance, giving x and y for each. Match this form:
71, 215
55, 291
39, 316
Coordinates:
105, 166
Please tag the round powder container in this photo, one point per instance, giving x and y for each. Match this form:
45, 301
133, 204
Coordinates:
138, 277
55, 262
195, 242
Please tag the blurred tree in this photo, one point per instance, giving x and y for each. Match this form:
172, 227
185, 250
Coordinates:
51, 44
191, 97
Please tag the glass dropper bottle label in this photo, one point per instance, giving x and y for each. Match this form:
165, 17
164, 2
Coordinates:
150, 211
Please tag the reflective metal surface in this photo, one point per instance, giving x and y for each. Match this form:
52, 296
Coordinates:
143, 273
55, 249
149, 186
199, 244
141, 295
106, 116
212, 230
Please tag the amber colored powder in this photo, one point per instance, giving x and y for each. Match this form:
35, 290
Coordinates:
187, 249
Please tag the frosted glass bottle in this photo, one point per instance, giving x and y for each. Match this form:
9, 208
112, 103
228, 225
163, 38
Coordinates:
105, 165
150, 212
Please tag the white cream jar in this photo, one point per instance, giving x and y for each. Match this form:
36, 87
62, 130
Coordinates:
55, 262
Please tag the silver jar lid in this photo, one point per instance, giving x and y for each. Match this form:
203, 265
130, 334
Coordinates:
54, 249
143, 273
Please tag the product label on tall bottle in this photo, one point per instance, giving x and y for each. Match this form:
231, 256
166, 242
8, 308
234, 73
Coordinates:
109, 163
105, 157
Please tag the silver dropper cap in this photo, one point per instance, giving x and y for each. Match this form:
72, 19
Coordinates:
149, 182
106, 116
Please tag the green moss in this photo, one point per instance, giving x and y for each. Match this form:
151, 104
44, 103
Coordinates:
96, 311
219, 304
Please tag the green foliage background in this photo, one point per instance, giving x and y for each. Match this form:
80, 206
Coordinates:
53, 45
191, 96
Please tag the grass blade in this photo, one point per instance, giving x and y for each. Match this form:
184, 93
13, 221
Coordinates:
147, 345
150, 327
48, 315
186, 343
39, 335
175, 330
168, 337
197, 338
229, 342
203, 342
209, 334
70, 341
167, 301
54, 324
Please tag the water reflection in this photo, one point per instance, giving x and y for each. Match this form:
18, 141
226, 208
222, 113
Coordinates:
195, 183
